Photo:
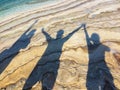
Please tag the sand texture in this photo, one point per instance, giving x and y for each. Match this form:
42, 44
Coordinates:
34, 55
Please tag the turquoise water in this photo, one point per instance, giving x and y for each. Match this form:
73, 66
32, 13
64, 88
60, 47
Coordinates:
7, 4
11, 7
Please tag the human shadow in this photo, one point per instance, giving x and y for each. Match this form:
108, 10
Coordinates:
99, 76
8, 54
46, 69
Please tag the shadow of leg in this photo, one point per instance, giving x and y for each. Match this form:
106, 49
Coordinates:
48, 81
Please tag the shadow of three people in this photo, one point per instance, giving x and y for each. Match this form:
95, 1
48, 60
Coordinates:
98, 74
8, 54
46, 69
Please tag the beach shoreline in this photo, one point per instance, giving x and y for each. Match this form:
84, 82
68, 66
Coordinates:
22, 9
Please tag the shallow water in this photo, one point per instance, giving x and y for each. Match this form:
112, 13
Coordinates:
7, 4
11, 7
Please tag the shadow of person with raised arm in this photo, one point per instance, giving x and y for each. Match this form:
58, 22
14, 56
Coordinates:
98, 74
7, 55
47, 67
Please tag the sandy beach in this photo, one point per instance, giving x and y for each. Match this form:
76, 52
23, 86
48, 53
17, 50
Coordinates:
23, 43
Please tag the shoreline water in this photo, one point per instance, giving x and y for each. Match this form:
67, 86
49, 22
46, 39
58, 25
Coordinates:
18, 9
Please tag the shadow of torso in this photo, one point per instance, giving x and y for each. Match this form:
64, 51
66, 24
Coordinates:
99, 76
47, 67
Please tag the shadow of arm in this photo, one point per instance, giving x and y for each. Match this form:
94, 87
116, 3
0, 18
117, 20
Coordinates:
87, 36
70, 34
48, 37
25, 33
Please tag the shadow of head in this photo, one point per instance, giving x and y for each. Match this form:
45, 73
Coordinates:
95, 38
25, 39
31, 33
59, 34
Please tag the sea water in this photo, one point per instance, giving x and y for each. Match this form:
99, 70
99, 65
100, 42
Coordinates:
12, 7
